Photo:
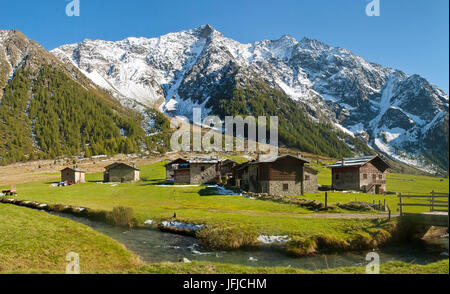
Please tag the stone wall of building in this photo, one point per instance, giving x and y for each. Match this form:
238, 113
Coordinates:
68, 175
80, 177
279, 187
169, 173
123, 175
345, 178
203, 173
310, 183
75, 177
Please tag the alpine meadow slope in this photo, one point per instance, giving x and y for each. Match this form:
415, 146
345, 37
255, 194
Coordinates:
340, 103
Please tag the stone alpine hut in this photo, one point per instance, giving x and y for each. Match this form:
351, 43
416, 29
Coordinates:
366, 174
121, 172
73, 175
197, 171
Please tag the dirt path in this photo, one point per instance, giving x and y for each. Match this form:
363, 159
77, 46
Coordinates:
309, 215
348, 215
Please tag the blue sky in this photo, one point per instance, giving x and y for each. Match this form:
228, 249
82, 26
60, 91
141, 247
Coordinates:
410, 35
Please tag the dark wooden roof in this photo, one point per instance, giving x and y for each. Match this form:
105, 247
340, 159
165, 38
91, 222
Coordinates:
264, 159
311, 170
228, 161
120, 165
73, 169
242, 166
361, 161
177, 161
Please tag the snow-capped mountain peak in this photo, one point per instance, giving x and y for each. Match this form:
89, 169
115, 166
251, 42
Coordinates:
395, 113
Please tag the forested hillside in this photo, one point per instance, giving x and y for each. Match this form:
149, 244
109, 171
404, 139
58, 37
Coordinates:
296, 128
49, 109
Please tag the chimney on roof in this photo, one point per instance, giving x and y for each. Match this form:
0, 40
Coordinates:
299, 155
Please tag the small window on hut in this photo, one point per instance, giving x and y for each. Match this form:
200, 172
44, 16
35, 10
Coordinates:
380, 177
285, 187
306, 177
337, 177
374, 177
365, 176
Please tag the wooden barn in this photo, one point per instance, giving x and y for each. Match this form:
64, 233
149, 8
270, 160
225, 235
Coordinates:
240, 175
121, 172
169, 167
197, 171
366, 174
283, 175
226, 168
73, 175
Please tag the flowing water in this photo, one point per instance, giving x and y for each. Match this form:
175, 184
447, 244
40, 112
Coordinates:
155, 246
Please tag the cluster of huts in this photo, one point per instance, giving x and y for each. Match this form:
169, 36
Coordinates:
278, 175
116, 172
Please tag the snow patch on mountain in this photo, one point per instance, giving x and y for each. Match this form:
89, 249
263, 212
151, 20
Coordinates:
391, 110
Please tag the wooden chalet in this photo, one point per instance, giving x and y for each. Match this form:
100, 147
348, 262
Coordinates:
169, 167
281, 175
366, 174
226, 168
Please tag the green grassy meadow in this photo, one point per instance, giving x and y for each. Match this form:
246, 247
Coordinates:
398, 183
194, 205
150, 201
32, 240
36, 241
440, 267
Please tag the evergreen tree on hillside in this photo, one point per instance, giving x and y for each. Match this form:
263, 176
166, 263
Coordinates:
47, 115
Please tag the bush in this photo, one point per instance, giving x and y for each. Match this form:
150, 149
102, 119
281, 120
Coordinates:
300, 246
97, 215
122, 216
227, 238
362, 241
331, 243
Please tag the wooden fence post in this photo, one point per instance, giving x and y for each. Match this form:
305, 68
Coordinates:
326, 200
400, 204
432, 201
384, 205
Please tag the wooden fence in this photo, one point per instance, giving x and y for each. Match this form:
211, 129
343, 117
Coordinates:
436, 202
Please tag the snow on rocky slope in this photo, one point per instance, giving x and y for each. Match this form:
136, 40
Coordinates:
399, 115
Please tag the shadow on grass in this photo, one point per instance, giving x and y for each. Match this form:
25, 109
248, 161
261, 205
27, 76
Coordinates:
209, 192
156, 182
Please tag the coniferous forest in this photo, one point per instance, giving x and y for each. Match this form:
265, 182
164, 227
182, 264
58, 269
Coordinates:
48, 114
